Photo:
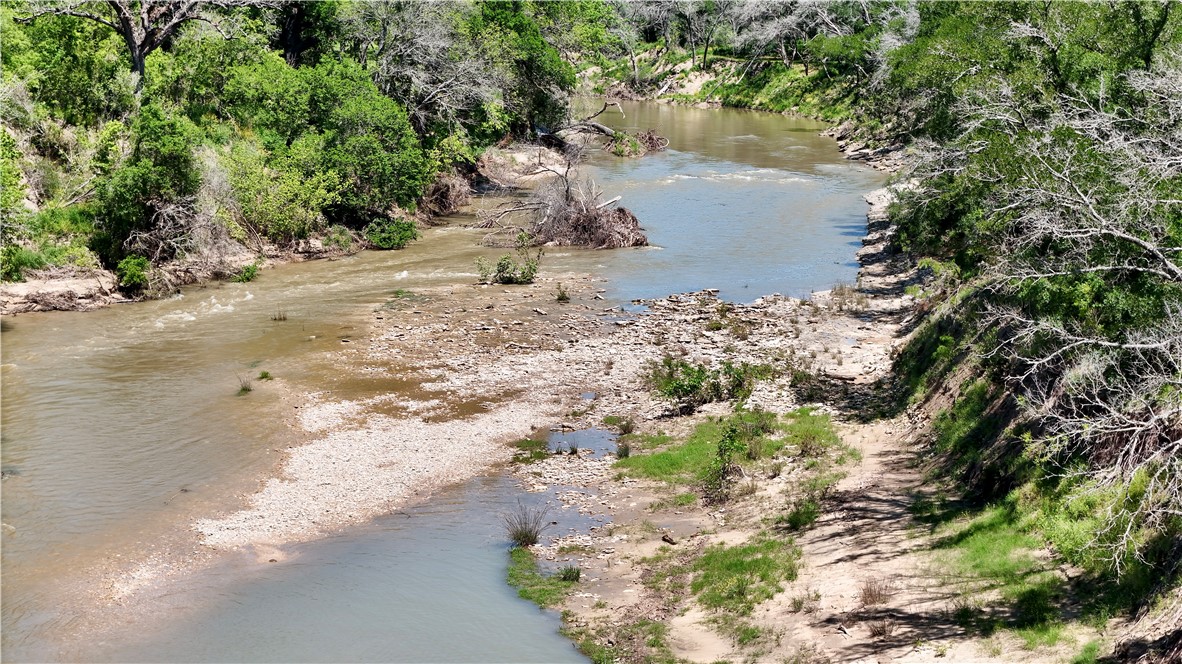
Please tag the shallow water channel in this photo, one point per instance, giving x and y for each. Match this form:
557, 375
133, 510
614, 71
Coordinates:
120, 427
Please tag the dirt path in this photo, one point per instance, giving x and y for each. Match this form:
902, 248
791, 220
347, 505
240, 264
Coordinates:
865, 548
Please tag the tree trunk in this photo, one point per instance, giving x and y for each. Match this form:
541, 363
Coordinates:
291, 34
784, 57
137, 68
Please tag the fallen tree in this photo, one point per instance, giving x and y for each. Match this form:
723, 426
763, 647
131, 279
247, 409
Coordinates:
620, 143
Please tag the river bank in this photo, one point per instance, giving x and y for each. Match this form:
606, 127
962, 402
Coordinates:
861, 581
78, 289
433, 357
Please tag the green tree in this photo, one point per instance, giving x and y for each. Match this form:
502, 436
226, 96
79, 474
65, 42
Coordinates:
159, 174
371, 144
73, 67
536, 79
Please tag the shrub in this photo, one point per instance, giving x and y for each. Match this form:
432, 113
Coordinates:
133, 272
510, 271
802, 515
16, 259
372, 145
692, 385
338, 237
278, 200
385, 233
719, 475
525, 524
247, 273
160, 172
570, 573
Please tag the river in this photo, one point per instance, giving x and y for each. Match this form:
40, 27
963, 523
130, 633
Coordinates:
121, 427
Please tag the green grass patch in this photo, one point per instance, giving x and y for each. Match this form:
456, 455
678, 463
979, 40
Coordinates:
1088, 655
687, 462
677, 464
993, 557
524, 574
811, 433
743, 633
735, 579
680, 500
530, 450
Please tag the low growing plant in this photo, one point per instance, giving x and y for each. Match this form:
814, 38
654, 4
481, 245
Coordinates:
719, 477
248, 273
522, 270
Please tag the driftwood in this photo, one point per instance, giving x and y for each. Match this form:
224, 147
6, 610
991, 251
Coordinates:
619, 142
565, 212
447, 194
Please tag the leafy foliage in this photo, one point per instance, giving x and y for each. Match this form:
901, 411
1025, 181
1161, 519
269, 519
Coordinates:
133, 272
391, 233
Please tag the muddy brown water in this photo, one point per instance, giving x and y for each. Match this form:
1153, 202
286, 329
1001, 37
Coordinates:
120, 427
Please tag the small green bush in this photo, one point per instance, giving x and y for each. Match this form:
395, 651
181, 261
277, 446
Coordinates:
248, 273
802, 515
692, 384
523, 270
390, 233
133, 272
16, 260
722, 469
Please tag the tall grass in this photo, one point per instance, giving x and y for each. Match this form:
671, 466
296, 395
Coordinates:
525, 524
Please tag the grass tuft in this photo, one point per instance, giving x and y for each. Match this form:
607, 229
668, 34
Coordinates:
880, 628
525, 524
875, 591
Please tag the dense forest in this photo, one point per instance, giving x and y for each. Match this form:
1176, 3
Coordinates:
1040, 189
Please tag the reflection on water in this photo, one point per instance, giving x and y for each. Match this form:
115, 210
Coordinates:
121, 426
